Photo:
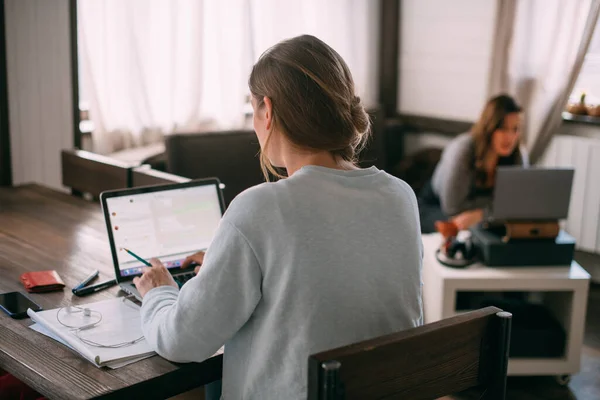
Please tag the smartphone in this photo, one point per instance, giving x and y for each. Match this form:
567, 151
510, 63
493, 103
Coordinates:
16, 304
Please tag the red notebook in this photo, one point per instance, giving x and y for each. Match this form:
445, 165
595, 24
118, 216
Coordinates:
42, 281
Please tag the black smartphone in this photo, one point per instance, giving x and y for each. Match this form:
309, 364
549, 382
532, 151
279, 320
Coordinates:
16, 304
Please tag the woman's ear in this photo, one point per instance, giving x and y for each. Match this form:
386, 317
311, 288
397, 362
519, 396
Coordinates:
268, 112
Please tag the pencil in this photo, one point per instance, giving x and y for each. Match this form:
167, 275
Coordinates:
137, 257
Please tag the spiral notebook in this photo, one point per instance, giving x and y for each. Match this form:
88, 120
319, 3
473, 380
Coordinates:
120, 323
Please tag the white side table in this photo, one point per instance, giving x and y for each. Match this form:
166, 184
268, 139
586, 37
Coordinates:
563, 290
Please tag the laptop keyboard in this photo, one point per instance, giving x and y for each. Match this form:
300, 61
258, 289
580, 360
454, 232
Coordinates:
183, 278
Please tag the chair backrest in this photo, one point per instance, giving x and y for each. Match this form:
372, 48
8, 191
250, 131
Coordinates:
86, 172
231, 156
145, 176
434, 360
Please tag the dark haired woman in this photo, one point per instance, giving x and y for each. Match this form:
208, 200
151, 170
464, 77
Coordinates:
329, 256
463, 181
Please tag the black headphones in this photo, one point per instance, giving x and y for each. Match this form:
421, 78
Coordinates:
457, 253
466, 248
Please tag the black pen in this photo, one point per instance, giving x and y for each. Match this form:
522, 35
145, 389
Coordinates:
87, 280
95, 288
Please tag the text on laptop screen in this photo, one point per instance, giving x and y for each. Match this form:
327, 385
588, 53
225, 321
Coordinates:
169, 225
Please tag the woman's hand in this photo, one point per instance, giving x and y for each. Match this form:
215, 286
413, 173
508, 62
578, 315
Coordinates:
467, 219
197, 258
153, 277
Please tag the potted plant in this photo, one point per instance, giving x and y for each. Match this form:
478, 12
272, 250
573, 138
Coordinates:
578, 108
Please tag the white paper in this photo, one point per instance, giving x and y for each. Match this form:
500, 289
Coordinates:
120, 323
112, 365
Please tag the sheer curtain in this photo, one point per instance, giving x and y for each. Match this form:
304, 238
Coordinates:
538, 52
349, 26
152, 67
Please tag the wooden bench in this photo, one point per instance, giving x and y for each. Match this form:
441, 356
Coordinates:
86, 172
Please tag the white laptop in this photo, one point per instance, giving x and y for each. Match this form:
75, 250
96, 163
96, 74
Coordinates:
168, 222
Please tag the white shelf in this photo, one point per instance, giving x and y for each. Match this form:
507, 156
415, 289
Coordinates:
479, 274
563, 290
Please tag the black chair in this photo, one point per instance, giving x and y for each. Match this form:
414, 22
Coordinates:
231, 156
145, 176
434, 360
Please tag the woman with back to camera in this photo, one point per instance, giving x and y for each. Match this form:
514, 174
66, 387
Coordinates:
329, 256
463, 181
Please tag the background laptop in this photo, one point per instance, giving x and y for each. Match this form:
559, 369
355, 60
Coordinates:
168, 222
531, 194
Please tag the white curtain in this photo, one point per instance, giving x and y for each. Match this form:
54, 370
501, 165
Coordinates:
538, 52
152, 67
349, 26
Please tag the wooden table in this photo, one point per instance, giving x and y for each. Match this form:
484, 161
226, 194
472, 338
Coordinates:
44, 229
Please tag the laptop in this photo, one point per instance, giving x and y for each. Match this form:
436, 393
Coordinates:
531, 194
168, 222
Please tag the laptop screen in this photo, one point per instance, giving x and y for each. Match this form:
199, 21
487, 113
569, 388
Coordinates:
532, 194
168, 224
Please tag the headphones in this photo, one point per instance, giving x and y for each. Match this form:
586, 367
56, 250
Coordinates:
457, 253
454, 253
87, 314
465, 248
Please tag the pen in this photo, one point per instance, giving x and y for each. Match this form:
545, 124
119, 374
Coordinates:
87, 280
137, 257
95, 288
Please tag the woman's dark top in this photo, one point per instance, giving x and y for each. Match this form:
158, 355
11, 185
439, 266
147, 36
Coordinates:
452, 188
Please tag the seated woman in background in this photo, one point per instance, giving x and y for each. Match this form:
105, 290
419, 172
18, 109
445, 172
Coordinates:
463, 181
